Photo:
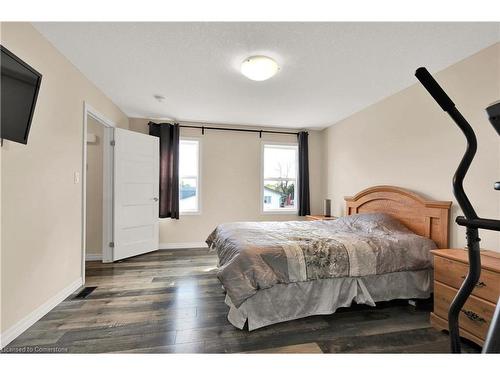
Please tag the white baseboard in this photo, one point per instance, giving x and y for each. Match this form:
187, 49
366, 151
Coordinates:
183, 245
89, 257
22, 325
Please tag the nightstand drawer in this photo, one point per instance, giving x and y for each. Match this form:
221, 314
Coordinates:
475, 316
453, 273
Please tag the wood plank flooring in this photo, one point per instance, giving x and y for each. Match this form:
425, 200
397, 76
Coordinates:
172, 302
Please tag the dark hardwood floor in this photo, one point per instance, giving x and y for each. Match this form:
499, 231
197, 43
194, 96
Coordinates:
172, 302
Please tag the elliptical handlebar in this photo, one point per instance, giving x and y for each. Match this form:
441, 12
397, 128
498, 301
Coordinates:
448, 106
430, 84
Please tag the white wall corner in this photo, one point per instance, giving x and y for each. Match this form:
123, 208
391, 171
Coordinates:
183, 245
22, 325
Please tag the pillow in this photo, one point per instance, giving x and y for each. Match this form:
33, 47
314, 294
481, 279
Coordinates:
375, 222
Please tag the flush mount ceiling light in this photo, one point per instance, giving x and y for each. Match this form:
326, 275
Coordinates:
259, 68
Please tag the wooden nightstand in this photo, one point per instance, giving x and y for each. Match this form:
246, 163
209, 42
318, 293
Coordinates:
320, 217
450, 269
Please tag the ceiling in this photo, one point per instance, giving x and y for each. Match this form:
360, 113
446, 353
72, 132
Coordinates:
328, 70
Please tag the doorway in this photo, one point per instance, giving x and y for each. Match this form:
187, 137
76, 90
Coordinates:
97, 185
94, 189
120, 191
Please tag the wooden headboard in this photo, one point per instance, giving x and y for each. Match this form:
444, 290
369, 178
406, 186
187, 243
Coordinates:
424, 217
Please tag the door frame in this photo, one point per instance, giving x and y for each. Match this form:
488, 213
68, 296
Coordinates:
107, 207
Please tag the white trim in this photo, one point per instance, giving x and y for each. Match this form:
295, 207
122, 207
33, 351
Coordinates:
198, 211
107, 195
88, 110
283, 211
92, 257
190, 213
183, 245
26, 322
98, 116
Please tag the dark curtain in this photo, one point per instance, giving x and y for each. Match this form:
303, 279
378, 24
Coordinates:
304, 204
169, 167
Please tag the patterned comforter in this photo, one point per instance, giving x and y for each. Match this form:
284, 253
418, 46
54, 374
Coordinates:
258, 255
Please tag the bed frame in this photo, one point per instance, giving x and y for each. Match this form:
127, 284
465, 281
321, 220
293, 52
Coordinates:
424, 217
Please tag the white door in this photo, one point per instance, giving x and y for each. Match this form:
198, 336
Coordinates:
136, 193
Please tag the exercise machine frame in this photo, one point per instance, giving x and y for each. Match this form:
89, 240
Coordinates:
471, 221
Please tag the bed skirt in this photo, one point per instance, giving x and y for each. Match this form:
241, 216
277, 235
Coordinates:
284, 302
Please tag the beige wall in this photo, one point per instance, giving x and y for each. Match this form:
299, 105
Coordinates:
41, 203
407, 140
93, 226
230, 182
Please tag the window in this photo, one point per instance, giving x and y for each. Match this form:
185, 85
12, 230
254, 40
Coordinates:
189, 184
279, 180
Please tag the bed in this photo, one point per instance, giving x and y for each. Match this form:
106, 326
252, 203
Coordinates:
279, 271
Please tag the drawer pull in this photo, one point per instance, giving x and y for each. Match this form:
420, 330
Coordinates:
473, 316
480, 284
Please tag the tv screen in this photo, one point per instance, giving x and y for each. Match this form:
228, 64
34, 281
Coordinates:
19, 90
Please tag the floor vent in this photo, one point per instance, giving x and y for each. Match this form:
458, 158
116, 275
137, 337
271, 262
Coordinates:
85, 292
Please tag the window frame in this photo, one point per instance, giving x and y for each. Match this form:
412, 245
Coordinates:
198, 185
279, 211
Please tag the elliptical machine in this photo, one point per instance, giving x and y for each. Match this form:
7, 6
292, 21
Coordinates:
470, 220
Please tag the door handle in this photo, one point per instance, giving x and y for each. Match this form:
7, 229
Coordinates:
155, 199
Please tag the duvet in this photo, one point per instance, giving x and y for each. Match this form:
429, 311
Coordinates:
259, 255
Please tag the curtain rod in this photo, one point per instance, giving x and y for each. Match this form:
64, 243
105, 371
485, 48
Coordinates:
203, 128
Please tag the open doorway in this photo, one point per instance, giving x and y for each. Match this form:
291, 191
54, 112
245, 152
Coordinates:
94, 236
120, 191
97, 220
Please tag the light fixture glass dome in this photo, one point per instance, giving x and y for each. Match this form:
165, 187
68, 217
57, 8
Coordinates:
259, 68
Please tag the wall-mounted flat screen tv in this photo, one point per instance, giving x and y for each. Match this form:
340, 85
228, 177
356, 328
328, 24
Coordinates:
20, 84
